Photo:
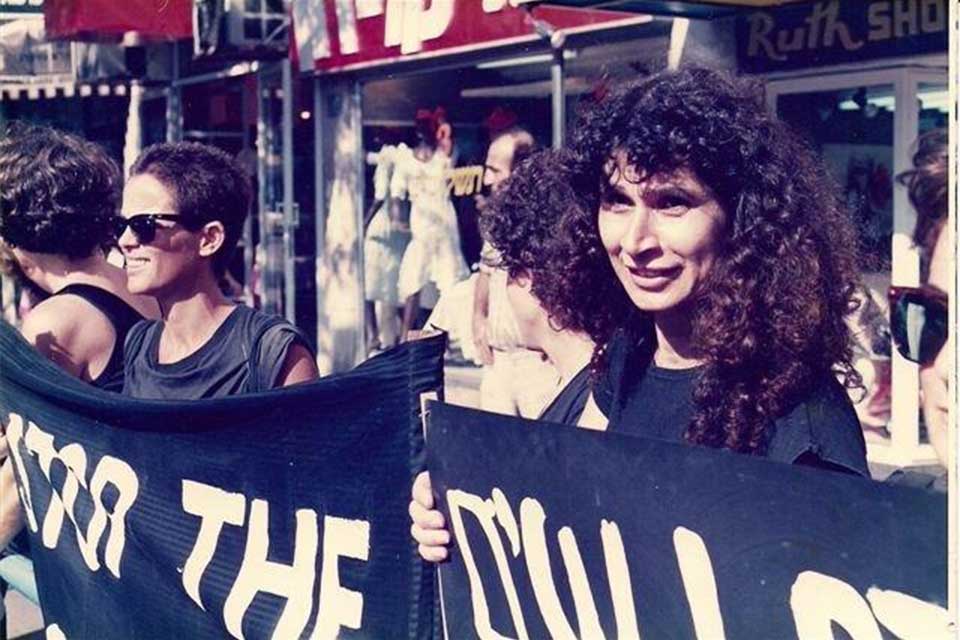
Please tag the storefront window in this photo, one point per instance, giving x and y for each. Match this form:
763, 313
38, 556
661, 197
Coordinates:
469, 105
853, 131
934, 102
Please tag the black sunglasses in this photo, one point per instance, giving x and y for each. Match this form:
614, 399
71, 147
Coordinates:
143, 225
918, 322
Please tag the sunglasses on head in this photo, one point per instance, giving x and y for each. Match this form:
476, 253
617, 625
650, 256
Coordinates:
143, 225
918, 322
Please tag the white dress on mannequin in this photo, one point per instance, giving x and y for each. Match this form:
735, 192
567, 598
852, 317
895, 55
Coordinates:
433, 254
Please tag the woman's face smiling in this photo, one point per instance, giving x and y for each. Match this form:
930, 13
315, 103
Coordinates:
662, 233
169, 261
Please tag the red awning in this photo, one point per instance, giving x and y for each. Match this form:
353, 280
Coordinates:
110, 19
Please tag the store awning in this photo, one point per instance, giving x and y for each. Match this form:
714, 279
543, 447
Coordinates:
109, 20
687, 9
328, 39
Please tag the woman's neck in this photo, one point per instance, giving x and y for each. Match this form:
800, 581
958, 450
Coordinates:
568, 351
675, 348
94, 270
190, 321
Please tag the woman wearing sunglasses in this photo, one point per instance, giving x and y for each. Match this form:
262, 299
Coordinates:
183, 211
58, 197
919, 322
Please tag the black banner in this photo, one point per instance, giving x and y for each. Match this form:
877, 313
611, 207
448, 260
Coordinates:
275, 515
829, 32
566, 533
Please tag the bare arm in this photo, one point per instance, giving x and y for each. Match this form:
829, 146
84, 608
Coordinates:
11, 513
481, 312
298, 367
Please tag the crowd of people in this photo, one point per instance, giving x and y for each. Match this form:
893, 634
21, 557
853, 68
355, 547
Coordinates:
683, 270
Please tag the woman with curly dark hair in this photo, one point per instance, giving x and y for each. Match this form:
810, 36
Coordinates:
727, 235
521, 223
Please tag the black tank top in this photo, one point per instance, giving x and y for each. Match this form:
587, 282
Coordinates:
121, 315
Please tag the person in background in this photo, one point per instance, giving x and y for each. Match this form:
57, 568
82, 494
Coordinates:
183, 211
919, 319
521, 223
58, 199
516, 380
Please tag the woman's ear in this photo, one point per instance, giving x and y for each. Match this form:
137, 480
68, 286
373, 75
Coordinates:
212, 237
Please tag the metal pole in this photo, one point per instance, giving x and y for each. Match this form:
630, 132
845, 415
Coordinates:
248, 255
357, 114
320, 203
558, 98
289, 223
262, 186
174, 111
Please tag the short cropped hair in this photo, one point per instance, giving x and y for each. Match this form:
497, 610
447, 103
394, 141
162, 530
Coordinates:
58, 193
208, 185
524, 144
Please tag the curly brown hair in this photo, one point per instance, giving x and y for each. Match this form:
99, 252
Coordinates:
927, 185
522, 222
769, 321
59, 194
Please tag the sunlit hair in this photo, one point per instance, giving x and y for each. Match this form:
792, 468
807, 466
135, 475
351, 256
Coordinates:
769, 321
207, 185
927, 185
522, 222
58, 193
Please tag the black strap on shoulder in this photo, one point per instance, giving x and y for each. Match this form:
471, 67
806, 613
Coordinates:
254, 383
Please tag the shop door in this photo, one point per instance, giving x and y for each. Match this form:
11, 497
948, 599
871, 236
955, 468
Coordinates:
865, 126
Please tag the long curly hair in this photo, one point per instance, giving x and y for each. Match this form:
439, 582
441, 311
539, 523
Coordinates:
769, 321
522, 221
59, 194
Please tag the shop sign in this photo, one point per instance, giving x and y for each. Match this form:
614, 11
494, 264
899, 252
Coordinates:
834, 32
338, 35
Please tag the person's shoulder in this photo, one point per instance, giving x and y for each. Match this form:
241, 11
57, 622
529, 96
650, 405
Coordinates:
824, 423
67, 320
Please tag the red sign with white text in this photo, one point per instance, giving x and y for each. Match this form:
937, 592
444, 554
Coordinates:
110, 19
341, 35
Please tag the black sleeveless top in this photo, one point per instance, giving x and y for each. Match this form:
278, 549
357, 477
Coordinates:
569, 404
245, 355
640, 398
121, 315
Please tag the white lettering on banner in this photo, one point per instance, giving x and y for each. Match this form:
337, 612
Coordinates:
485, 512
53, 632
109, 471
295, 583
342, 538
340, 607
816, 600
909, 617
215, 507
15, 436
699, 583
